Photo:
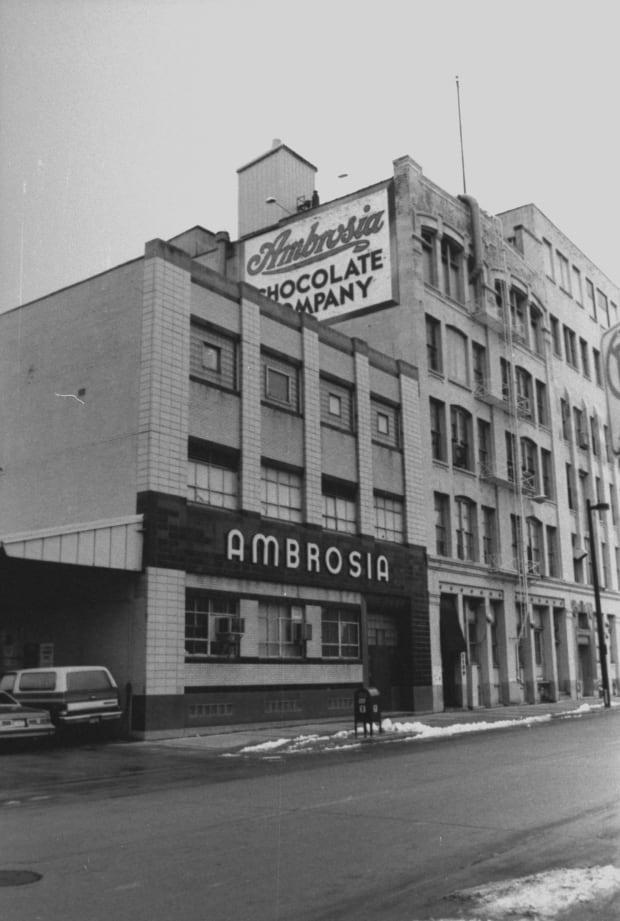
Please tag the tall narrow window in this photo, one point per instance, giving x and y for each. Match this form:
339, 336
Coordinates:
552, 552
565, 415
480, 371
442, 524
542, 406
488, 536
452, 264
554, 325
465, 528
563, 272
590, 301
603, 307
577, 289
428, 257
460, 421
438, 429
433, 344
485, 458
547, 474
458, 367
548, 258
529, 467
534, 546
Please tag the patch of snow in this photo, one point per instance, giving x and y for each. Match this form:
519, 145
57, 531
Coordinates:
543, 896
422, 730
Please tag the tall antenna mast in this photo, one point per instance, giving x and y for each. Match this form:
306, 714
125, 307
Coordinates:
458, 99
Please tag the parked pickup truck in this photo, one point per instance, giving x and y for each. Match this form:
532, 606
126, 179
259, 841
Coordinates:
74, 695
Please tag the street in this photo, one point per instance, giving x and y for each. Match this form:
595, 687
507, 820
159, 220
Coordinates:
385, 832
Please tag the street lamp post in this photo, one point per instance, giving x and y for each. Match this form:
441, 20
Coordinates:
602, 646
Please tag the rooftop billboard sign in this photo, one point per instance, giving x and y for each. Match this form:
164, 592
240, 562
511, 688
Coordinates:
610, 346
332, 262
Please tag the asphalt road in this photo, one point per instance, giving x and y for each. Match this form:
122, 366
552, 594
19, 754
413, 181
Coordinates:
383, 833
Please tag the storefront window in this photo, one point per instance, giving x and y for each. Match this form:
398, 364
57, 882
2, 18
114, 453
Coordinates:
340, 634
212, 626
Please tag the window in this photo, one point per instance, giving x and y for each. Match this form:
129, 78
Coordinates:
339, 506
336, 405
581, 433
465, 511
552, 551
212, 626
547, 473
442, 524
542, 404
516, 537
488, 536
433, 345
536, 326
612, 504
511, 457
529, 467
385, 423
281, 494
458, 363
596, 361
213, 357
533, 546
524, 392
212, 484
563, 272
452, 265
555, 335
603, 307
485, 457
389, 518
340, 634
518, 306
280, 383
428, 257
506, 373
591, 303
281, 630
570, 486
438, 429
565, 414
594, 439
460, 421
480, 369
570, 347
548, 258
577, 289
578, 558
608, 451
583, 353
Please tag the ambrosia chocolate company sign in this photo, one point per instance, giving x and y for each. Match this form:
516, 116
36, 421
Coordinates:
330, 262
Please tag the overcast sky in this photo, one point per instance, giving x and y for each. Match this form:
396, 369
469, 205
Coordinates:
125, 120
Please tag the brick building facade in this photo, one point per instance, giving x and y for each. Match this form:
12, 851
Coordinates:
249, 508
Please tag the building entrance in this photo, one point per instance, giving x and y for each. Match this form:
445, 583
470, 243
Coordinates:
452, 645
387, 665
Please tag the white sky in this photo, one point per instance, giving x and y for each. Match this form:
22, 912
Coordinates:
125, 120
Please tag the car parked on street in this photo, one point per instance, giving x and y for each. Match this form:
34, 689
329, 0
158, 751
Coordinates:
77, 695
18, 722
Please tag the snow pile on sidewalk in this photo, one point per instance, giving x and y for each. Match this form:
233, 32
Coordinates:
345, 739
542, 896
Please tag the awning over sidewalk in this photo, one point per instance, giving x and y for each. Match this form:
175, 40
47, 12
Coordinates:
114, 543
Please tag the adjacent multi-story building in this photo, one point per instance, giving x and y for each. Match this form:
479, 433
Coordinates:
355, 446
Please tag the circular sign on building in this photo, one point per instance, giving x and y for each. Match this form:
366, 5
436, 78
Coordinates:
610, 346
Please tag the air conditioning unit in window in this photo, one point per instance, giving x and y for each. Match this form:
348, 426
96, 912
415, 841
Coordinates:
301, 632
229, 626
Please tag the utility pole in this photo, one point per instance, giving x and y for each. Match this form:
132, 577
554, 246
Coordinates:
602, 646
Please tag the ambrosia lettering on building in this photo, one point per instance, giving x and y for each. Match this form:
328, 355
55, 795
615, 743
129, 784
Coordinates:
267, 550
331, 263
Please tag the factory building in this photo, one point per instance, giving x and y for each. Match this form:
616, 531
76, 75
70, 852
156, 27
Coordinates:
354, 446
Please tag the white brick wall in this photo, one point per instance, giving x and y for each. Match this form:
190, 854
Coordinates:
165, 631
250, 406
164, 379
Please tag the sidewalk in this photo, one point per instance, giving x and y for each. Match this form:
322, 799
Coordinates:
276, 735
